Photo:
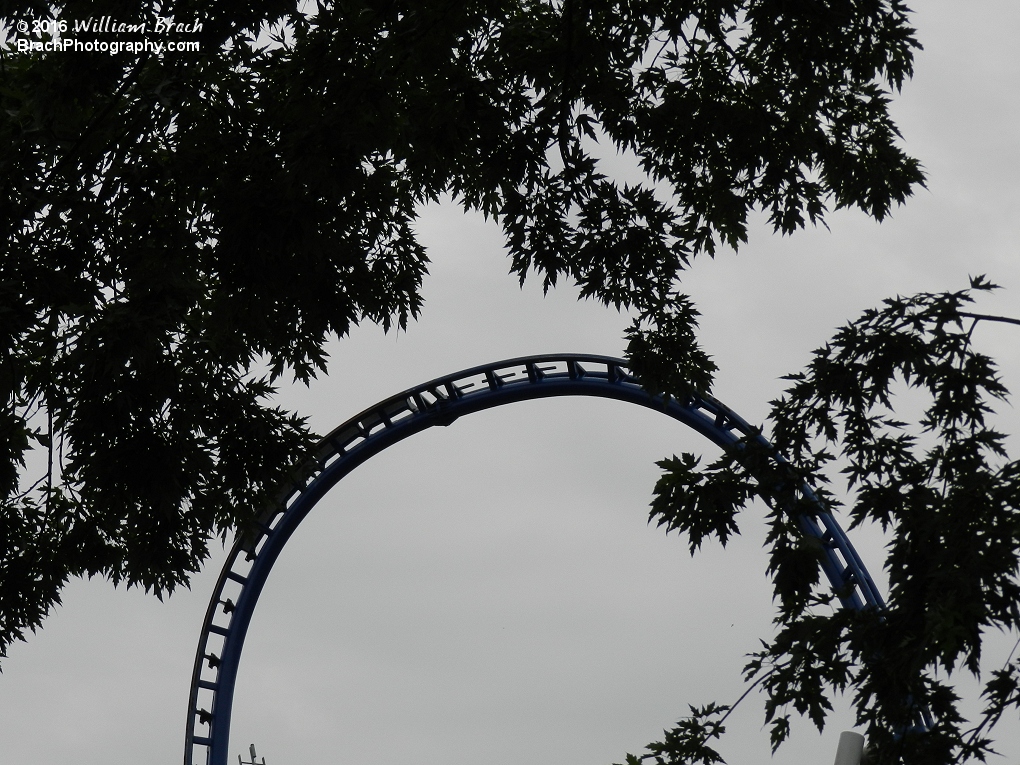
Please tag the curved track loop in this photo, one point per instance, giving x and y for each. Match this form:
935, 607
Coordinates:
440, 402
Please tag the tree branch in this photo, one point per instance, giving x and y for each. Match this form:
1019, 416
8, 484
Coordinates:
989, 317
748, 690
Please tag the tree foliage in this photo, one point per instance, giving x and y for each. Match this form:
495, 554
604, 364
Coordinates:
175, 224
941, 485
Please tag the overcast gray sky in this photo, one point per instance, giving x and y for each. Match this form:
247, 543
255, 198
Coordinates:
490, 592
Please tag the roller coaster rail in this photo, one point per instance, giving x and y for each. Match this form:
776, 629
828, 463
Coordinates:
440, 402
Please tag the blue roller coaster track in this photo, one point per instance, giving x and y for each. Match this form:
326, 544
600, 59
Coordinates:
440, 402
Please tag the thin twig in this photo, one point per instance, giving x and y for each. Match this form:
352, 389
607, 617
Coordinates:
1015, 646
729, 709
989, 317
991, 713
743, 696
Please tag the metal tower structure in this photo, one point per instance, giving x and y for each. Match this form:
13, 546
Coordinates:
440, 402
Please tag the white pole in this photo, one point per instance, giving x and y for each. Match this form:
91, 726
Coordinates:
851, 748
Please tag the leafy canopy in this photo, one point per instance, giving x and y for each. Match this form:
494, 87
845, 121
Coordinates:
944, 489
174, 223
